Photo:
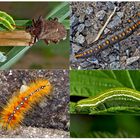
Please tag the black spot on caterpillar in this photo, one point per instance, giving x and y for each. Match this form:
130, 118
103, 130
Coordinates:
120, 35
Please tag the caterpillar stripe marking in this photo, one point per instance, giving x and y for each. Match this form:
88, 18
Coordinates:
112, 100
6, 20
120, 35
13, 113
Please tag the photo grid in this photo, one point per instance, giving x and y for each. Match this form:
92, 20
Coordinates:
69, 69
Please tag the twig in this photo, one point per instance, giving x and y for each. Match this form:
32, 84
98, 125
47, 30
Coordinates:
102, 29
15, 38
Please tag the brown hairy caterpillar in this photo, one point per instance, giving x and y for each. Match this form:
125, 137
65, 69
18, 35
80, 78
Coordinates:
120, 35
14, 112
48, 30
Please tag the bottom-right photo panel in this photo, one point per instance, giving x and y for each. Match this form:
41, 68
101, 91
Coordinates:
105, 104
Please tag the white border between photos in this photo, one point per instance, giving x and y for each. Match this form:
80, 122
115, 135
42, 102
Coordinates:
66, 138
71, 138
62, 0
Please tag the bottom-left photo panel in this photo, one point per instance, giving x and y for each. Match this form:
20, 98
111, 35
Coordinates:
34, 104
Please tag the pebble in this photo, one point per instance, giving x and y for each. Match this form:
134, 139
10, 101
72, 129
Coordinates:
90, 38
110, 5
127, 52
112, 58
120, 14
131, 60
80, 39
116, 21
73, 20
75, 47
116, 46
80, 27
82, 18
101, 14
88, 23
114, 65
89, 10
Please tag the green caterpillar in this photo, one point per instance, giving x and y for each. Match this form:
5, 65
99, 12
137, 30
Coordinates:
7, 21
115, 100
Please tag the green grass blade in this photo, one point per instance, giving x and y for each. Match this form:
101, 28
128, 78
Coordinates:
13, 56
59, 11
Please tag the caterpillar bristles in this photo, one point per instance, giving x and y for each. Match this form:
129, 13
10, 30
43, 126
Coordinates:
14, 112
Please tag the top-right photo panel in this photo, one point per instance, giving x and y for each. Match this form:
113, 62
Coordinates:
105, 35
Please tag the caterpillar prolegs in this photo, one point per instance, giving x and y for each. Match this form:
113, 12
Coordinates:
120, 35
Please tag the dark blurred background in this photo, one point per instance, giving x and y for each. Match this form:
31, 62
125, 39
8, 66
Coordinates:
107, 125
40, 55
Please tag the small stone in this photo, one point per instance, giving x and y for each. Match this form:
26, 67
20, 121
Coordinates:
90, 38
106, 31
85, 64
112, 58
75, 48
101, 14
110, 5
105, 53
89, 10
116, 46
114, 65
73, 20
120, 14
82, 17
127, 52
81, 27
88, 23
116, 21
93, 61
80, 39
136, 53
131, 60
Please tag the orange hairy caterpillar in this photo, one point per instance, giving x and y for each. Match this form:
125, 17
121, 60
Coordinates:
13, 113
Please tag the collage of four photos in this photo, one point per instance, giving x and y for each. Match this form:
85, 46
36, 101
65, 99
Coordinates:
70, 69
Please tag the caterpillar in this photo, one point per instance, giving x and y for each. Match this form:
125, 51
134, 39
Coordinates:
13, 113
120, 35
120, 100
7, 21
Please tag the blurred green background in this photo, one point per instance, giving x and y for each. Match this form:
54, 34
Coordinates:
104, 126
40, 55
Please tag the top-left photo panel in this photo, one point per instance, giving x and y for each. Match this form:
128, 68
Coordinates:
34, 35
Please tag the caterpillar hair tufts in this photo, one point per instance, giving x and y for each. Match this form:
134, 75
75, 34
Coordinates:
14, 112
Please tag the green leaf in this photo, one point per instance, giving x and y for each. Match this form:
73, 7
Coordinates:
6, 20
105, 134
61, 12
90, 83
72, 107
125, 78
66, 23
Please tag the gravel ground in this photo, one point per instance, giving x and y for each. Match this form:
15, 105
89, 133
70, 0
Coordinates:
87, 18
51, 113
34, 132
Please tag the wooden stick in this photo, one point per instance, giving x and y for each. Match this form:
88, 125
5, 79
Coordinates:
15, 38
102, 29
